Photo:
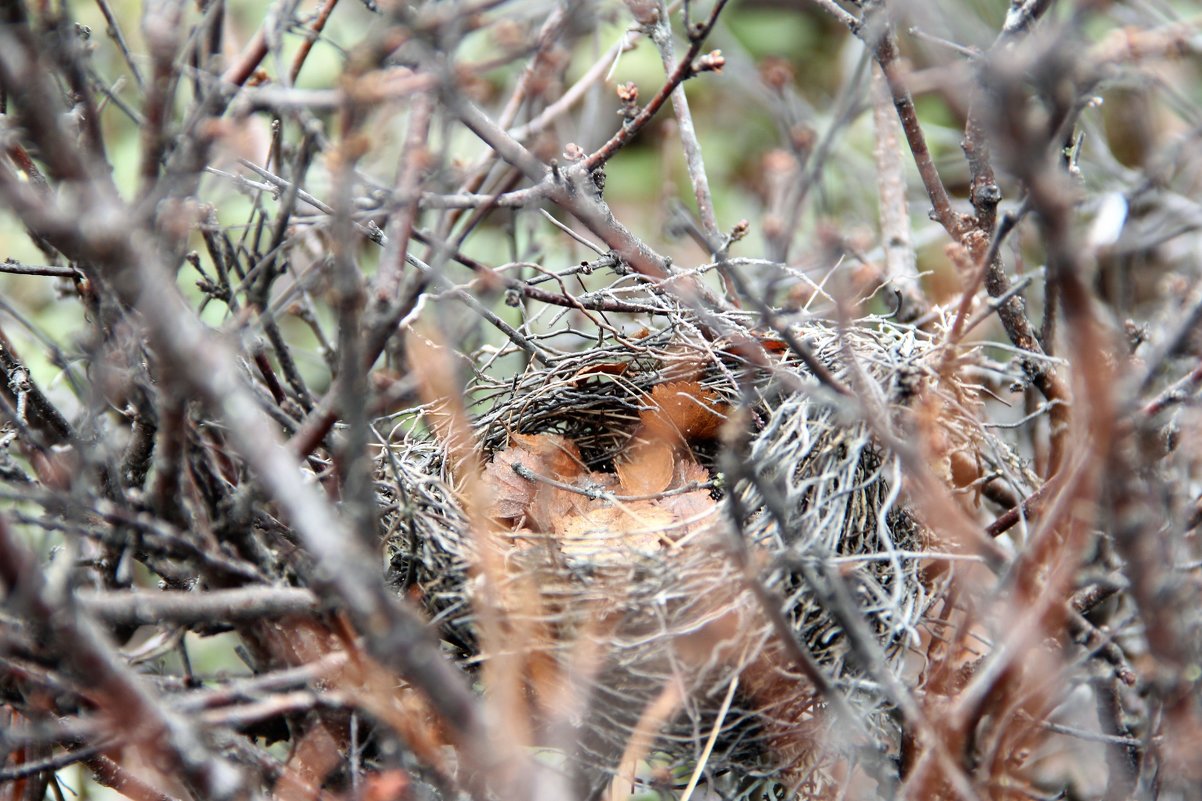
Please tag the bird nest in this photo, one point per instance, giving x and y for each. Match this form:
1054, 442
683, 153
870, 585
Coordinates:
643, 518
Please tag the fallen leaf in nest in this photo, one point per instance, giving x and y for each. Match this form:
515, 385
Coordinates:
690, 511
694, 509
552, 504
688, 470
587, 527
514, 497
559, 455
647, 469
772, 343
682, 411
511, 494
610, 534
604, 368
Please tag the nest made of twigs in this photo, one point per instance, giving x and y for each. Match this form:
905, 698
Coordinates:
630, 613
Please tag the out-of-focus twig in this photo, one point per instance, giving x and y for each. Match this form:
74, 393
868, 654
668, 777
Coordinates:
191, 608
114, 687
900, 263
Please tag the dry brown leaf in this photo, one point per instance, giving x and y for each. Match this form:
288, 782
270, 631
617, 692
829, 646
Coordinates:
773, 344
689, 471
514, 497
552, 504
683, 411
587, 527
609, 534
604, 368
511, 494
647, 469
690, 510
559, 456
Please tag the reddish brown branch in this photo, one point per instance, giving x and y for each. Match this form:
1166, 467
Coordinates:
1023, 511
311, 35
885, 51
685, 69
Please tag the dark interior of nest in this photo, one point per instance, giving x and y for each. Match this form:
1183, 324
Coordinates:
598, 414
599, 406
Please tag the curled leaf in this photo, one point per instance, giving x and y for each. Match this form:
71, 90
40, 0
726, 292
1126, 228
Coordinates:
683, 411
647, 469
